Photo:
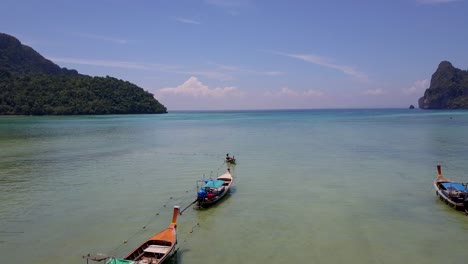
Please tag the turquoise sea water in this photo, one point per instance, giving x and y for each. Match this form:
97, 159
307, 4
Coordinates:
312, 186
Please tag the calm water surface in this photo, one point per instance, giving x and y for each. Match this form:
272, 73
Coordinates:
317, 186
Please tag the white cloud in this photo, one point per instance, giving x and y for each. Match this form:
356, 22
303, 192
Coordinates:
313, 93
186, 21
242, 70
271, 73
116, 64
218, 75
431, 2
223, 72
348, 70
193, 87
103, 38
418, 87
377, 91
288, 92
105, 63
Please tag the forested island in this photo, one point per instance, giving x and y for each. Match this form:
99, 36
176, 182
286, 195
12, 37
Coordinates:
448, 89
32, 85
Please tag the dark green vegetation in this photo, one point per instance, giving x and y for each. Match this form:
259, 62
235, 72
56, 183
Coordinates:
33, 85
448, 90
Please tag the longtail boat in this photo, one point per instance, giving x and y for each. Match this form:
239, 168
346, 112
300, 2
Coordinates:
212, 191
451, 193
155, 249
230, 160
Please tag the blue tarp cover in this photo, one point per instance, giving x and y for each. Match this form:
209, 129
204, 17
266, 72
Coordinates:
214, 184
454, 186
119, 261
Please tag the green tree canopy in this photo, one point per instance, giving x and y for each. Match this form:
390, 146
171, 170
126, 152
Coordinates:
33, 85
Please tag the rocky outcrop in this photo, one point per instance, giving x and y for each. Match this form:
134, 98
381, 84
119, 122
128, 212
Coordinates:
448, 89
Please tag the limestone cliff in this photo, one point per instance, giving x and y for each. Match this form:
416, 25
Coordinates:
448, 89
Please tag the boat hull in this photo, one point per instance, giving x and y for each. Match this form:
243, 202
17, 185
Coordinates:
159, 247
458, 203
207, 201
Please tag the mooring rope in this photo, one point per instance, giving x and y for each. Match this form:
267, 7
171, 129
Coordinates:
182, 201
196, 200
112, 252
151, 219
184, 198
186, 237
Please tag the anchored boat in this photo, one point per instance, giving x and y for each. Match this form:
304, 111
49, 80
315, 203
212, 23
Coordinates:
212, 191
452, 193
155, 249
230, 160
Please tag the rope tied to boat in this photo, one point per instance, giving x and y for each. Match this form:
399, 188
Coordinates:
113, 251
184, 198
157, 213
196, 200
186, 237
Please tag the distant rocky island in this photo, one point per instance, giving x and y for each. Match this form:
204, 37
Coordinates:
448, 89
32, 85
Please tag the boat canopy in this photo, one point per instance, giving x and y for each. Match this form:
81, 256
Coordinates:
214, 184
119, 261
454, 186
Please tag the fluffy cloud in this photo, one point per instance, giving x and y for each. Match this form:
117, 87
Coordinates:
313, 93
417, 87
374, 92
193, 87
288, 92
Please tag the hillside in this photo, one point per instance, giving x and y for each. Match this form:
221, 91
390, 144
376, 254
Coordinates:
17, 58
448, 89
32, 85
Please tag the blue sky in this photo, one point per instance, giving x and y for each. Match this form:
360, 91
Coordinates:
246, 54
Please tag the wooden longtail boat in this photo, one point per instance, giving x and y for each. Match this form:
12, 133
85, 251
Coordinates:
452, 193
159, 247
231, 160
155, 249
212, 191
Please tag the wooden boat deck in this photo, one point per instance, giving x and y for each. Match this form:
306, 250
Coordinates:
157, 249
446, 191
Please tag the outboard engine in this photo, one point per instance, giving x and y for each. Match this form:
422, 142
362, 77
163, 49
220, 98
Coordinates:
201, 194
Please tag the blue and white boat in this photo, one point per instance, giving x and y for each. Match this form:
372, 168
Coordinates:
212, 191
451, 193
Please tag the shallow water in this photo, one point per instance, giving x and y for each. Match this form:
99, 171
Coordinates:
315, 186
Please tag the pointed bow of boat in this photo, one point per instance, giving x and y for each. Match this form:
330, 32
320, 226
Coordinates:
440, 177
175, 214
